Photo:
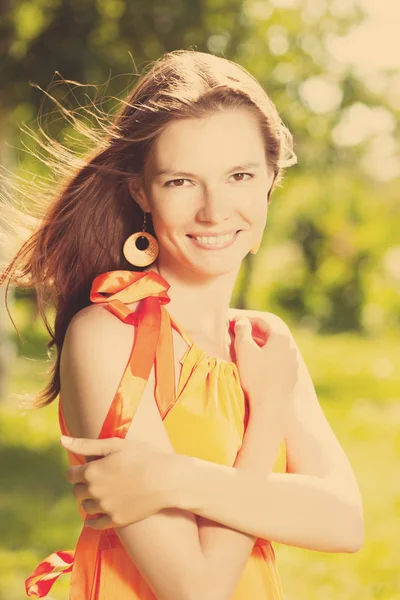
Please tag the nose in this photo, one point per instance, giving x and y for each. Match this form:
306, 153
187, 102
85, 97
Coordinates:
216, 205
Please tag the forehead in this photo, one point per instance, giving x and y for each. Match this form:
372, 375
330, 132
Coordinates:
233, 134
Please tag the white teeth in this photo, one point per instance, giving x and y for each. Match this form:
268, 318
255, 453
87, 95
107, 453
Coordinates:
215, 240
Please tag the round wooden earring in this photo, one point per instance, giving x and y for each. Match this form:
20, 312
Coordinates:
141, 248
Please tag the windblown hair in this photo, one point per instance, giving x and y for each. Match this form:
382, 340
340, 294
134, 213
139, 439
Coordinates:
85, 209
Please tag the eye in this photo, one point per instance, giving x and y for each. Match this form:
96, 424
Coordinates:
167, 184
172, 182
249, 174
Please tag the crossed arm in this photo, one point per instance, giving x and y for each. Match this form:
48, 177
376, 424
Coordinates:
315, 505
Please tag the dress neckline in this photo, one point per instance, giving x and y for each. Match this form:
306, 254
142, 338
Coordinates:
202, 352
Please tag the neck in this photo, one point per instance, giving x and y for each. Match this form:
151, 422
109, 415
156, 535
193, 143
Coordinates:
201, 306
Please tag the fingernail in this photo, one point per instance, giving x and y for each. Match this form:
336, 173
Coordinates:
67, 441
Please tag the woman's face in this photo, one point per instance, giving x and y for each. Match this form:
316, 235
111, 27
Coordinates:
207, 177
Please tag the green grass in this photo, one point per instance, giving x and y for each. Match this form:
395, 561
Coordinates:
358, 384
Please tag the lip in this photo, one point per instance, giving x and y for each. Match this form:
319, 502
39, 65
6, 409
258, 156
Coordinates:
214, 247
211, 234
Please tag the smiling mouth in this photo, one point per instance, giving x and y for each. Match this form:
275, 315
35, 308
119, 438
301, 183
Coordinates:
213, 235
210, 242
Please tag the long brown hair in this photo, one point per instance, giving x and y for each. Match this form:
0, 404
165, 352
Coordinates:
86, 212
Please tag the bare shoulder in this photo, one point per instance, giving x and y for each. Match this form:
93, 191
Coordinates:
94, 355
94, 313
271, 319
94, 332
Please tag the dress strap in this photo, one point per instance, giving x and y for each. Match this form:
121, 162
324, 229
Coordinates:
181, 331
153, 342
153, 345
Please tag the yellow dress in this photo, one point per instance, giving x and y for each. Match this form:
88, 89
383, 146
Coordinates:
207, 419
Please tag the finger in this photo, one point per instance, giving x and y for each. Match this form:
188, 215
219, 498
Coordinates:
100, 523
89, 447
260, 324
261, 330
80, 491
91, 507
272, 326
76, 474
243, 329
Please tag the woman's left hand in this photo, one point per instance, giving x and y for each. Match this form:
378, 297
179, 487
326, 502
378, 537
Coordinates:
125, 480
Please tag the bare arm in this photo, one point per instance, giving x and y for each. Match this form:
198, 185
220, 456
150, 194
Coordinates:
298, 510
165, 546
227, 550
177, 559
316, 505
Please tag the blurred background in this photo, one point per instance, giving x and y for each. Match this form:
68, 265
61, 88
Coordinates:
329, 264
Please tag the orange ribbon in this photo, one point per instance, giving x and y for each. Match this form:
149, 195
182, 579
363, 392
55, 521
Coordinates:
43, 577
153, 343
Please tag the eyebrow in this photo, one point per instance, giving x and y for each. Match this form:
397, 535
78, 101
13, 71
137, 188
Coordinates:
171, 172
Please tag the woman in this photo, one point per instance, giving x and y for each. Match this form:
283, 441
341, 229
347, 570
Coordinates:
210, 410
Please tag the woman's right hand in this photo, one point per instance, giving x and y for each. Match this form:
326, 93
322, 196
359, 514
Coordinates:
267, 364
124, 481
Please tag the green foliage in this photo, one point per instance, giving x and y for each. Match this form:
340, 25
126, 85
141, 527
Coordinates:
325, 260
330, 244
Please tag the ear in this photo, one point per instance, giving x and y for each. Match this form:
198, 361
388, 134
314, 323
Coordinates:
136, 190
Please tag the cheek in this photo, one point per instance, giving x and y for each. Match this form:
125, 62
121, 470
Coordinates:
261, 216
170, 216
254, 208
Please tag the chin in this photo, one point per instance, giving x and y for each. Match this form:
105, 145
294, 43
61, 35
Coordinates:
215, 268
